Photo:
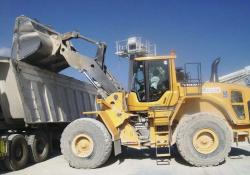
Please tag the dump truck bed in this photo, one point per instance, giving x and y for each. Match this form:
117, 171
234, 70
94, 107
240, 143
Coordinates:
38, 96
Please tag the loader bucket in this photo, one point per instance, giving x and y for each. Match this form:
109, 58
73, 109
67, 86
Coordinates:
37, 44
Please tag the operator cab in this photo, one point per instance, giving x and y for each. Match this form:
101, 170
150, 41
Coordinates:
152, 82
150, 78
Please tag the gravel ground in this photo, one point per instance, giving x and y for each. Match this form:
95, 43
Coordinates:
134, 162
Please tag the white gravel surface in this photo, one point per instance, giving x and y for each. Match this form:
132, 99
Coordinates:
140, 162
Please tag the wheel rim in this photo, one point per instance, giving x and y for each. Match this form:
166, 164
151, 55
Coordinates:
82, 145
205, 141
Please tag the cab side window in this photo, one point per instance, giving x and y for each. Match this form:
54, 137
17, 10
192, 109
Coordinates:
237, 104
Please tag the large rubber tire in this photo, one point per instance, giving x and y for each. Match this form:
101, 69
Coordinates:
194, 123
38, 147
102, 143
18, 153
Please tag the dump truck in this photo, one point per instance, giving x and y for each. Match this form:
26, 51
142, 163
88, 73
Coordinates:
36, 103
163, 107
241, 77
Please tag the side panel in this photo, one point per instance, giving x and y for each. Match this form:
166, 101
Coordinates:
195, 105
11, 101
44, 96
224, 100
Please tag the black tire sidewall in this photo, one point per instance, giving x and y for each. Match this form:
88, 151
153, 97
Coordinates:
36, 156
10, 162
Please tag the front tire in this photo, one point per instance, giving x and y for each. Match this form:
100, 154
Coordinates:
86, 143
204, 140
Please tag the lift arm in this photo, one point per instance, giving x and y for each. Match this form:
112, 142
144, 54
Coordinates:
94, 70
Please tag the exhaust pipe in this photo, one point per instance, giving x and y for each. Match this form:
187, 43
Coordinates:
214, 70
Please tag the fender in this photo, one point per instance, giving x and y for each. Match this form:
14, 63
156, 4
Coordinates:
227, 113
111, 128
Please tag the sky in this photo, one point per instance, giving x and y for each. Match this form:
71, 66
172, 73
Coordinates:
199, 31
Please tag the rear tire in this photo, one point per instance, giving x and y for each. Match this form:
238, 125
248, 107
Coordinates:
18, 153
86, 143
204, 140
38, 147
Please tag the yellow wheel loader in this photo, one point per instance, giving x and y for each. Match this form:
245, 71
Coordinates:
164, 106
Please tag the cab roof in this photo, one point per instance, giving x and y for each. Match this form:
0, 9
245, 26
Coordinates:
164, 57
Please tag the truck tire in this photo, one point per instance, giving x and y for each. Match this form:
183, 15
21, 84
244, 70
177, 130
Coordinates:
86, 143
18, 153
38, 147
204, 140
